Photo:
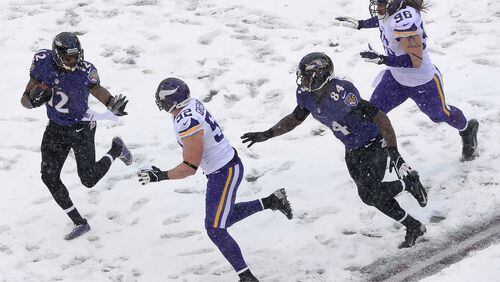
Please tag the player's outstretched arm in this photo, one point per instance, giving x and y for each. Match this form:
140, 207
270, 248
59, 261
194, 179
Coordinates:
357, 24
192, 155
115, 104
286, 124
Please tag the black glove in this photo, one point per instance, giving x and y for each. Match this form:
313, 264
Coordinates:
118, 107
373, 56
40, 94
151, 175
398, 163
254, 137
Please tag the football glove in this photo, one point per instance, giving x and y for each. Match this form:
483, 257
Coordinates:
254, 137
118, 107
151, 175
398, 163
348, 22
40, 94
373, 56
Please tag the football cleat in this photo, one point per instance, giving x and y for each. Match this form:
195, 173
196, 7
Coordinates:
279, 201
412, 234
78, 231
469, 140
125, 155
247, 276
416, 188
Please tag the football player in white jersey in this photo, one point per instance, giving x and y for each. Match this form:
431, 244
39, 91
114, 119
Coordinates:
205, 146
410, 72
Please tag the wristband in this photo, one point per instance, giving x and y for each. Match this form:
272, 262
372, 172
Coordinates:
190, 165
269, 133
108, 101
166, 175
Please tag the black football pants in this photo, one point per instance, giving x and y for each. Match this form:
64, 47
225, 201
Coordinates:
56, 143
367, 166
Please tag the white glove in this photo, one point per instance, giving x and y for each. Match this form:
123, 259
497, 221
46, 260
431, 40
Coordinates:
348, 22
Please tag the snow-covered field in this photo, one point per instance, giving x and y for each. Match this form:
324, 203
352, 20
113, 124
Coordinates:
239, 57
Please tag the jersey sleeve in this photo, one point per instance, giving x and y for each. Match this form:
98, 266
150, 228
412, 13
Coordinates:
188, 126
300, 98
38, 63
406, 23
365, 111
92, 75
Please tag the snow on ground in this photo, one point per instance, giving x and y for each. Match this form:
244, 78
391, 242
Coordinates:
240, 57
480, 266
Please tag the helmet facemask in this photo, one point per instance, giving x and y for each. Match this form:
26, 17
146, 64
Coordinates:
164, 103
384, 8
313, 75
67, 51
172, 93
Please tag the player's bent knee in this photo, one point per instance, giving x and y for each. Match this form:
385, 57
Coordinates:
87, 178
88, 181
49, 178
367, 198
215, 233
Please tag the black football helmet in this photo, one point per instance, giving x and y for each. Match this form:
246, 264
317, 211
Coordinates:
172, 93
315, 70
67, 51
384, 8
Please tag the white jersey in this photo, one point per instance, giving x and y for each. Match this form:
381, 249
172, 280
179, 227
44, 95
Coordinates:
404, 23
217, 151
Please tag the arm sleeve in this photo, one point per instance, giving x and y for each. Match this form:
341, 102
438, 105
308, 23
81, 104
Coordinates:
365, 111
36, 69
369, 23
300, 113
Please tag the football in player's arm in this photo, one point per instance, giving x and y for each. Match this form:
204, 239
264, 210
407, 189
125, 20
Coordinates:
61, 80
365, 131
204, 146
410, 72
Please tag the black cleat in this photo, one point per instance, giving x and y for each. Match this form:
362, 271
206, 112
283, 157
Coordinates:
412, 234
469, 140
280, 202
78, 231
125, 155
416, 188
247, 276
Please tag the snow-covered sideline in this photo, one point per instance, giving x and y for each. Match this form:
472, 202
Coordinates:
240, 57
